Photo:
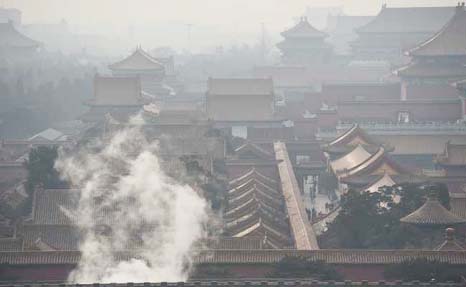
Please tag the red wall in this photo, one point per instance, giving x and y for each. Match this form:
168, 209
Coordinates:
35, 272
60, 272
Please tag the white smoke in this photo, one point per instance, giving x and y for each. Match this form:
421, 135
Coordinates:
128, 205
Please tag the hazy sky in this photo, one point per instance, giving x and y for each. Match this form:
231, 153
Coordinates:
232, 17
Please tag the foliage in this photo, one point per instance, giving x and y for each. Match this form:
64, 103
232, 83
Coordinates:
34, 95
211, 185
299, 267
215, 193
41, 171
191, 163
372, 220
424, 271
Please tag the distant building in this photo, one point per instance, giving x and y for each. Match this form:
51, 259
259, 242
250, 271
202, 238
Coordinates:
240, 99
150, 71
318, 16
451, 164
349, 140
14, 44
432, 213
383, 103
395, 30
341, 30
362, 163
118, 97
438, 61
303, 44
10, 15
245, 108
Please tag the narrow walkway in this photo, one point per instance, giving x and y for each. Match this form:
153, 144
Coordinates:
304, 236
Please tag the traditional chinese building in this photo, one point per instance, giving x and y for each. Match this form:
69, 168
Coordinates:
394, 30
149, 70
255, 208
304, 45
342, 31
432, 213
452, 171
262, 176
119, 97
383, 102
352, 138
240, 99
14, 44
450, 243
245, 108
362, 163
437, 61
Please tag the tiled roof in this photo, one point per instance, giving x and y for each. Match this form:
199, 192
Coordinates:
237, 87
340, 150
239, 226
258, 256
349, 137
384, 180
11, 244
458, 204
250, 148
256, 192
303, 30
374, 162
58, 237
408, 20
116, 91
252, 173
333, 256
449, 41
260, 226
255, 208
252, 183
354, 158
138, 61
450, 243
432, 212
252, 204
49, 135
454, 154
11, 38
304, 236
56, 207
50, 207
367, 180
245, 243
419, 68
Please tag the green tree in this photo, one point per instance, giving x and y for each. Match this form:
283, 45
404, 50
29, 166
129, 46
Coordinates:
372, 220
41, 170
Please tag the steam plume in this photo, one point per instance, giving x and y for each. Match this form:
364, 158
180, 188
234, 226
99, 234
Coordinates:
126, 202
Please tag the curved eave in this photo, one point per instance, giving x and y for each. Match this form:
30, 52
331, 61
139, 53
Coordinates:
432, 213
420, 50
